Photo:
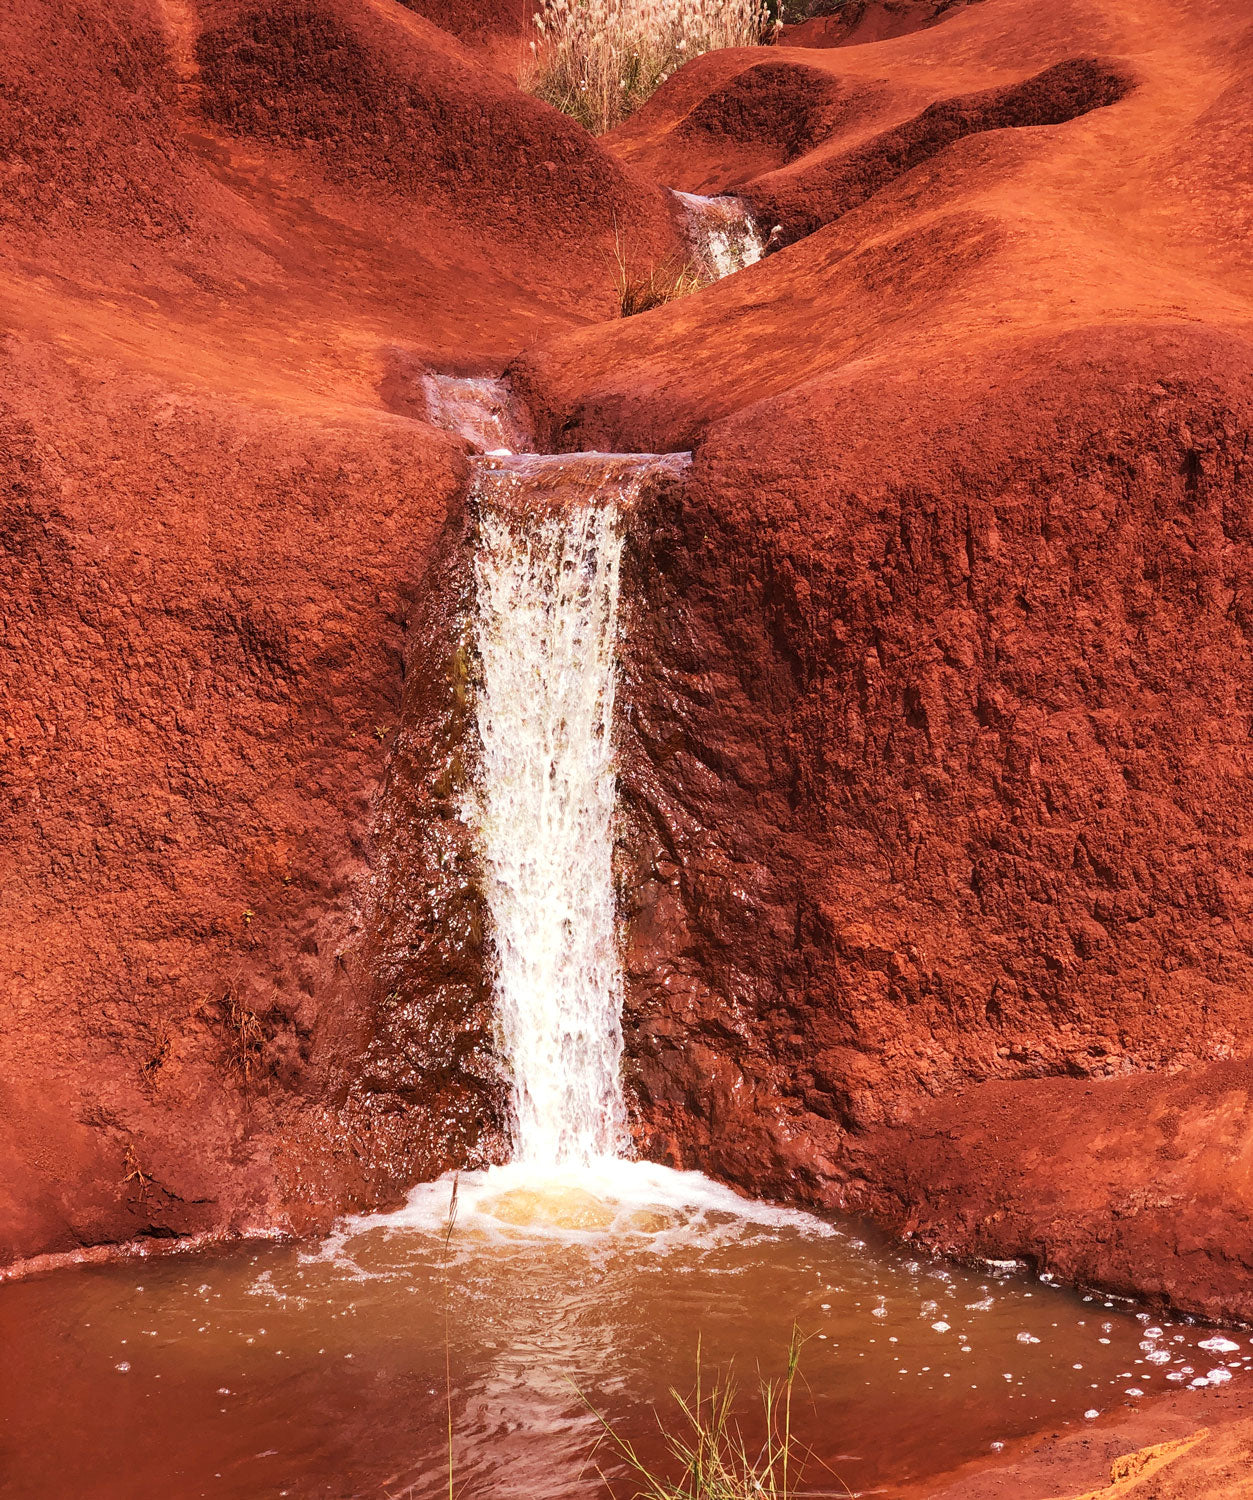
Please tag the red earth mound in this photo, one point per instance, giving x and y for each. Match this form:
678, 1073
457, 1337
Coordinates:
938, 761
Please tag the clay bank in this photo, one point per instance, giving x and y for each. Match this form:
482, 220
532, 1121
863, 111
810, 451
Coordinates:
536, 839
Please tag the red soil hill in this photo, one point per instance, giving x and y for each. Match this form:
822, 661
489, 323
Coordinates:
940, 683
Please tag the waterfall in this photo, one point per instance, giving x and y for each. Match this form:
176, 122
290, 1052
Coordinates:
546, 573
479, 408
723, 233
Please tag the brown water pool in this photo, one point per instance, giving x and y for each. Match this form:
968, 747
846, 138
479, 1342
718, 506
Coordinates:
319, 1371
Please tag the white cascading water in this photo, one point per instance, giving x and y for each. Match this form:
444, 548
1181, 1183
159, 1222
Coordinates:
543, 805
723, 233
545, 629
479, 408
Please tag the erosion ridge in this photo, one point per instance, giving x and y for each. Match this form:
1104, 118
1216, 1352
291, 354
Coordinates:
937, 756
935, 764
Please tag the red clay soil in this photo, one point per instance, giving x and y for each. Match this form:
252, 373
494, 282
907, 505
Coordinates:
1193, 1445
935, 763
1142, 1183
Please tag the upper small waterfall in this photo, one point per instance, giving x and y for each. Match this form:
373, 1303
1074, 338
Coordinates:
479, 408
723, 233
546, 572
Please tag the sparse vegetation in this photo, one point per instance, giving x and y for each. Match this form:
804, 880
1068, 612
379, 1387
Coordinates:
160, 1052
245, 1035
600, 59
707, 1454
795, 11
134, 1172
641, 289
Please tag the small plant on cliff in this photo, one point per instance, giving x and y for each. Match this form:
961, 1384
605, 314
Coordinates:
134, 1172
245, 1035
707, 1455
640, 290
600, 59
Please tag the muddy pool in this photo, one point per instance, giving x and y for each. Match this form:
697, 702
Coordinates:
320, 1370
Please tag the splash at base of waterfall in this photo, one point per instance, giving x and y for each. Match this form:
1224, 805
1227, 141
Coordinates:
654, 1205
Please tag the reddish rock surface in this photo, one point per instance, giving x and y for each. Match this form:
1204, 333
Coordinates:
938, 759
1191, 1445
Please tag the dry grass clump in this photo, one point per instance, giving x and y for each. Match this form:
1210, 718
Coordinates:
599, 59
640, 289
245, 1035
708, 1456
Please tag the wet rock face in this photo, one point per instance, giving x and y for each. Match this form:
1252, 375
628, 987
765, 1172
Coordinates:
1139, 1183
936, 766
422, 1074
235, 236
202, 685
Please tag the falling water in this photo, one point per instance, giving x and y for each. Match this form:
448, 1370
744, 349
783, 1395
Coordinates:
723, 233
479, 408
550, 535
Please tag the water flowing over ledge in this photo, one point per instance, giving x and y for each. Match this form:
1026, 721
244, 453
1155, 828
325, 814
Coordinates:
479, 408
546, 573
724, 234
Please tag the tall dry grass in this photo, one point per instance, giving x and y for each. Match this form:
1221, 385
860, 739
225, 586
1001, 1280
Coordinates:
641, 288
600, 59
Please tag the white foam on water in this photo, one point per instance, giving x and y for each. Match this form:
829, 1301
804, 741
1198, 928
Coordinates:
651, 1207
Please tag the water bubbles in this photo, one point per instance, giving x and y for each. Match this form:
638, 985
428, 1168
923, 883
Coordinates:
1219, 1345
940, 1327
1091, 1414
1027, 1338
122, 1366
